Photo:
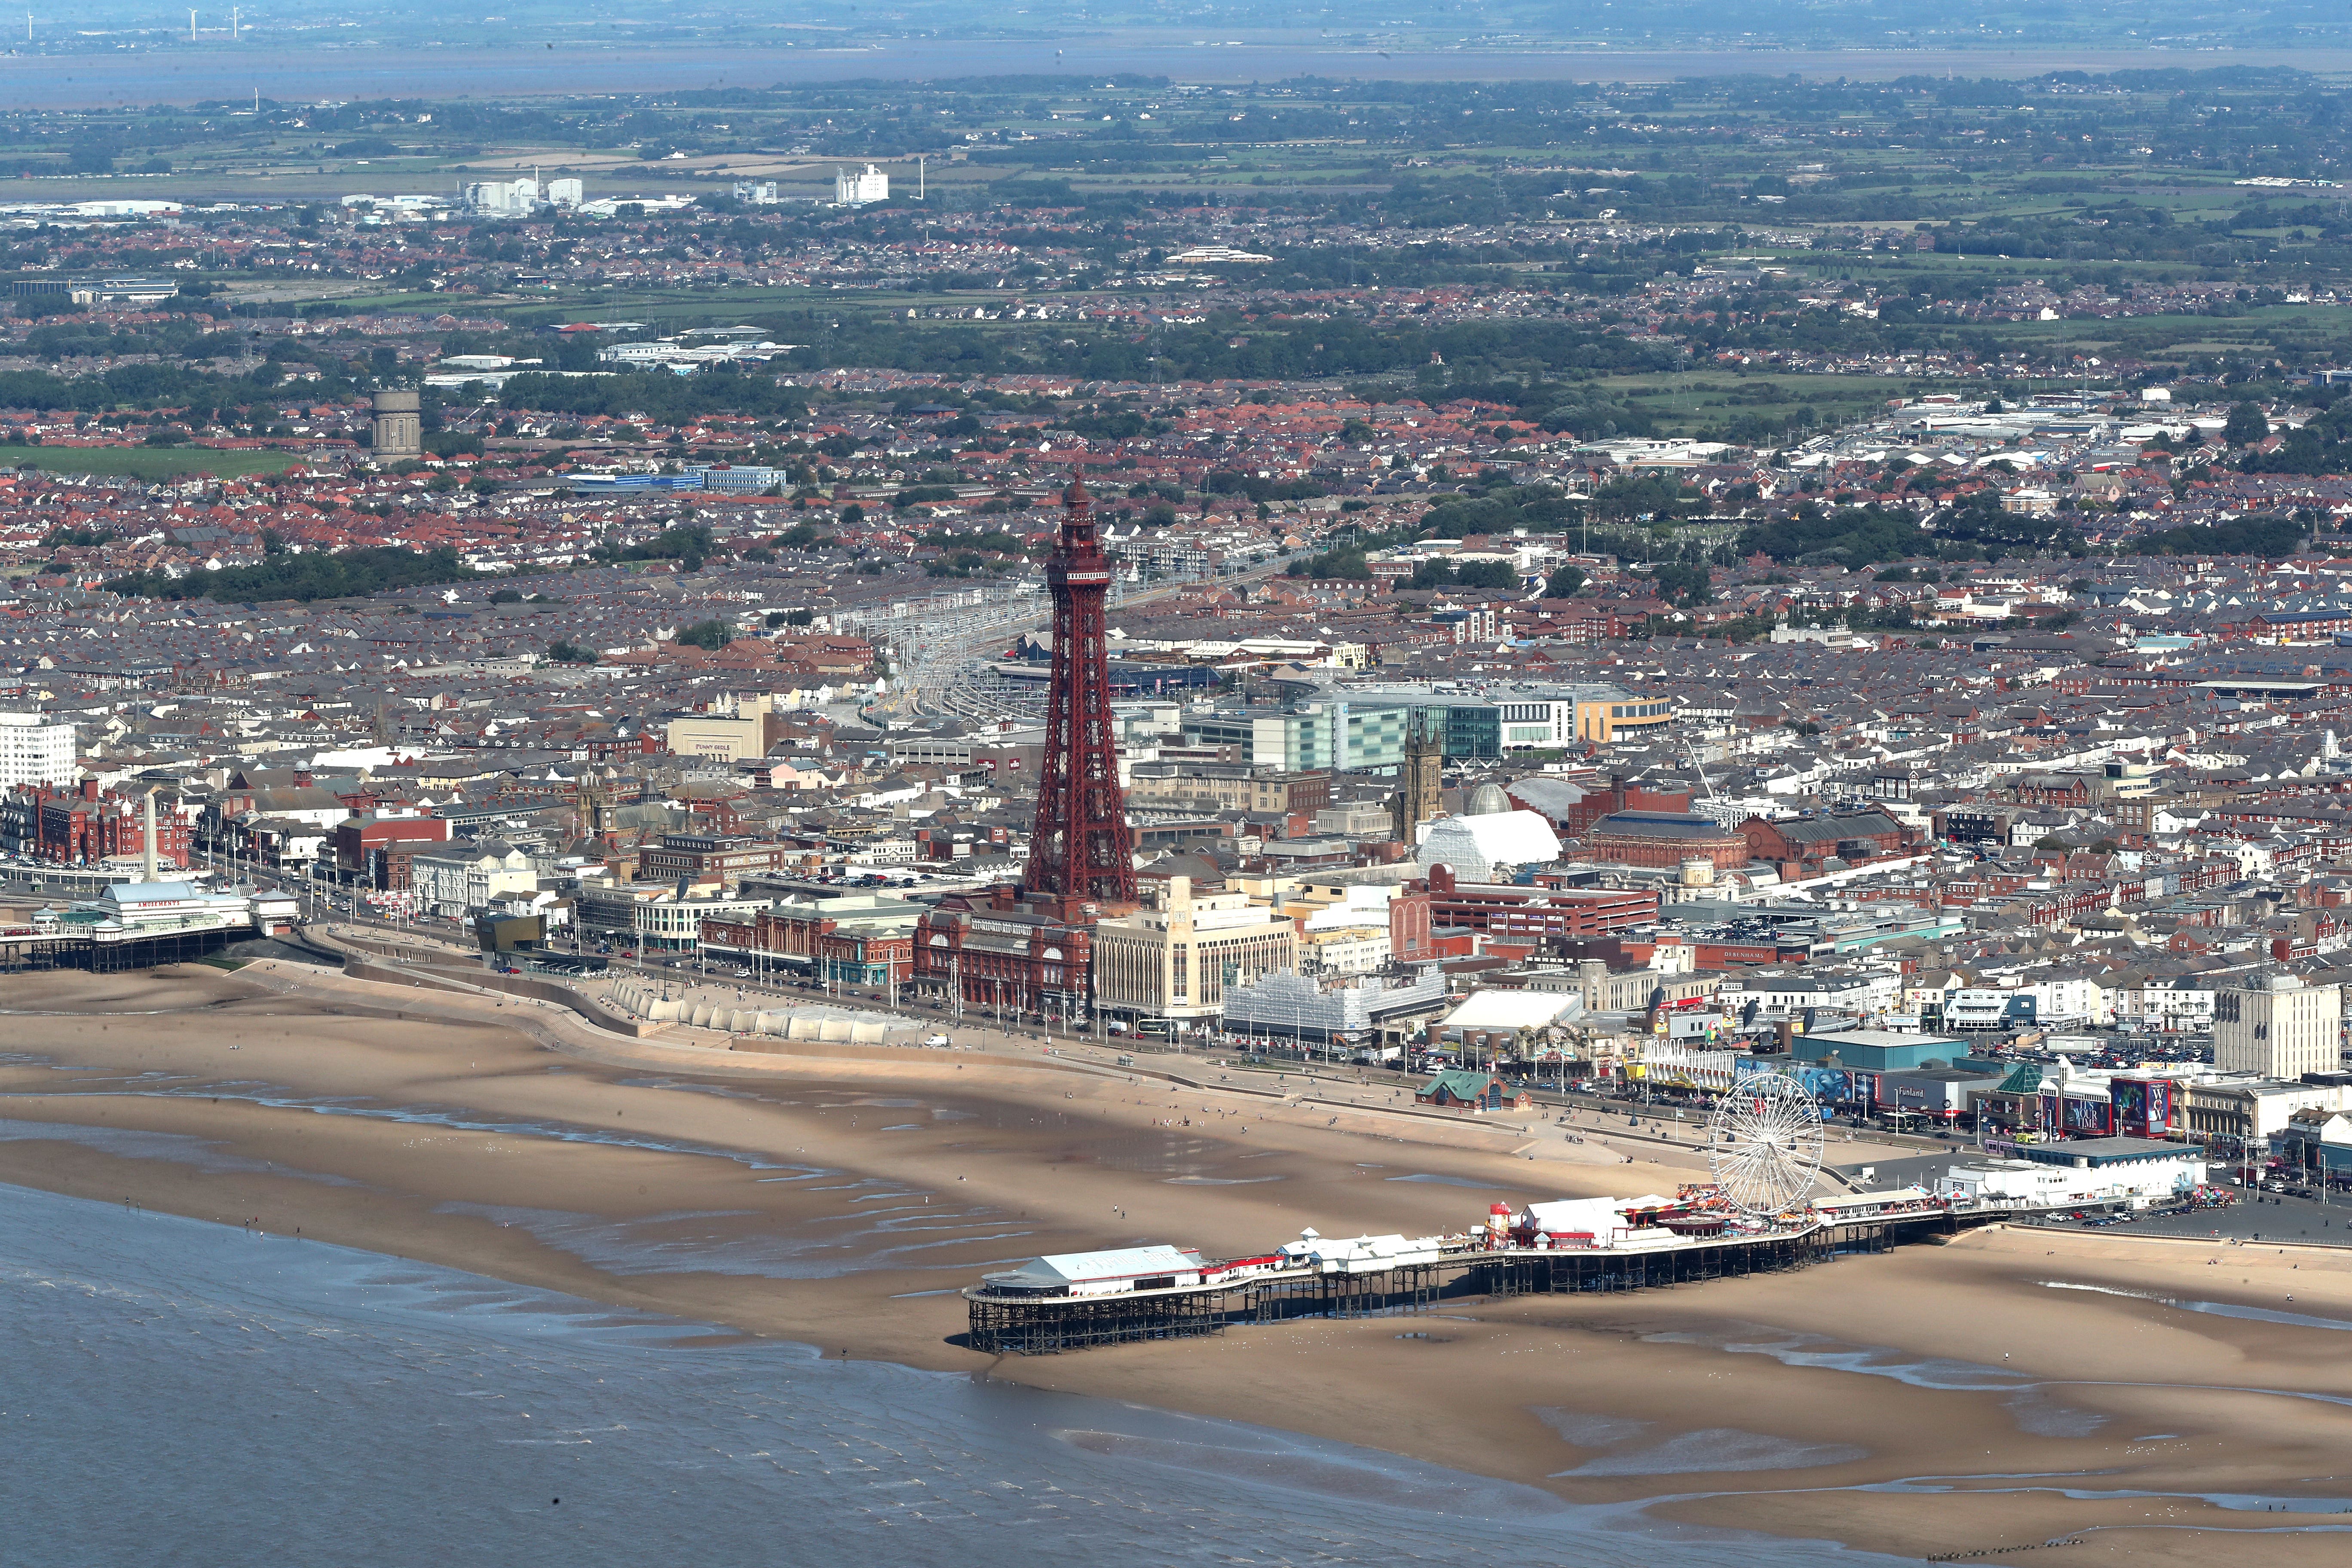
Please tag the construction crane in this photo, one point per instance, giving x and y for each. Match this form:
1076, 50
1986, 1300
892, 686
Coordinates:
1690, 749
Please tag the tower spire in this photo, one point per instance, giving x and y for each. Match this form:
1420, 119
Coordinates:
1420, 782
1079, 847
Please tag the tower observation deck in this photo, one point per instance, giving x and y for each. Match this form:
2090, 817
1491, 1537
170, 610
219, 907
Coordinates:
1080, 847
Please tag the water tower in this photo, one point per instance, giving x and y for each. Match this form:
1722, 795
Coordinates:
398, 432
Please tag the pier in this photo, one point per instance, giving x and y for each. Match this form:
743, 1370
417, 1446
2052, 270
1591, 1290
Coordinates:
1017, 1315
131, 925
115, 951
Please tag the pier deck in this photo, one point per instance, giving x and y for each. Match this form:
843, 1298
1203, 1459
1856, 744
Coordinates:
113, 953
1014, 1323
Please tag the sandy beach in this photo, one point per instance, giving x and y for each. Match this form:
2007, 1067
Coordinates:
2007, 1390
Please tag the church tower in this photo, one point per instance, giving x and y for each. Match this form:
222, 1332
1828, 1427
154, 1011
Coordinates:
1419, 781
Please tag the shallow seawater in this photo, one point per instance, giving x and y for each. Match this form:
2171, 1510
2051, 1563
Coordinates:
2035, 1404
1720, 1448
2213, 1309
2030, 1403
1590, 1431
896, 1236
181, 1148
1804, 1350
459, 1120
280, 1401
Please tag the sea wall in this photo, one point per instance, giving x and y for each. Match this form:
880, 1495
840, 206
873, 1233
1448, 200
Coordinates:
828, 1027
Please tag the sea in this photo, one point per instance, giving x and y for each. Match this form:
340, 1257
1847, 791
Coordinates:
133, 76
174, 1391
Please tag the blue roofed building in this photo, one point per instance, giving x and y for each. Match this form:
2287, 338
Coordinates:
1878, 1050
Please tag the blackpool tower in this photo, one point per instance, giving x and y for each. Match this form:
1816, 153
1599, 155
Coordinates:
1079, 848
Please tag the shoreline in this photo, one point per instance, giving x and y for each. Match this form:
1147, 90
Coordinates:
467, 1402
66, 81
843, 1203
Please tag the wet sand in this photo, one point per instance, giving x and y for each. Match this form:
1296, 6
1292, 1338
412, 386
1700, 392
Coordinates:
842, 1202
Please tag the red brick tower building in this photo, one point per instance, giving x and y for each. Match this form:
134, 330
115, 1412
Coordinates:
1080, 847
1026, 951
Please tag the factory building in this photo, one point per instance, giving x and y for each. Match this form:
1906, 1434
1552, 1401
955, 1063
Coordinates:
861, 187
521, 197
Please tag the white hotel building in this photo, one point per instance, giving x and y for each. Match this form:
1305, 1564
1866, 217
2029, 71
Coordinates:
35, 750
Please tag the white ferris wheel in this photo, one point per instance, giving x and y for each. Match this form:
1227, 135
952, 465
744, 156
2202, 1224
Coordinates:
1764, 1143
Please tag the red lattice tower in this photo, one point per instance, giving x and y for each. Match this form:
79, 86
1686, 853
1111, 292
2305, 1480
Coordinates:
1079, 848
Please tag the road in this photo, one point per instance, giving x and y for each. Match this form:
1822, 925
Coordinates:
2255, 1219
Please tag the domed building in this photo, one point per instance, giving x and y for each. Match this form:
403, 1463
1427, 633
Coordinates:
1480, 845
1488, 800
1664, 838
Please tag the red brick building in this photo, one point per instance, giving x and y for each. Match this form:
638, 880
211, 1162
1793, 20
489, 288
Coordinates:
1572, 819
604, 749
699, 855
1411, 924
357, 840
1509, 910
80, 825
1806, 846
845, 951
1665, 838
1001, 948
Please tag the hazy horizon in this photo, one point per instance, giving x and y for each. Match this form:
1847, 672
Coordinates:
1451, 24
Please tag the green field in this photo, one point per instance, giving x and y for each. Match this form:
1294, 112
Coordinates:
409, 299
1709, 400
146, 462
